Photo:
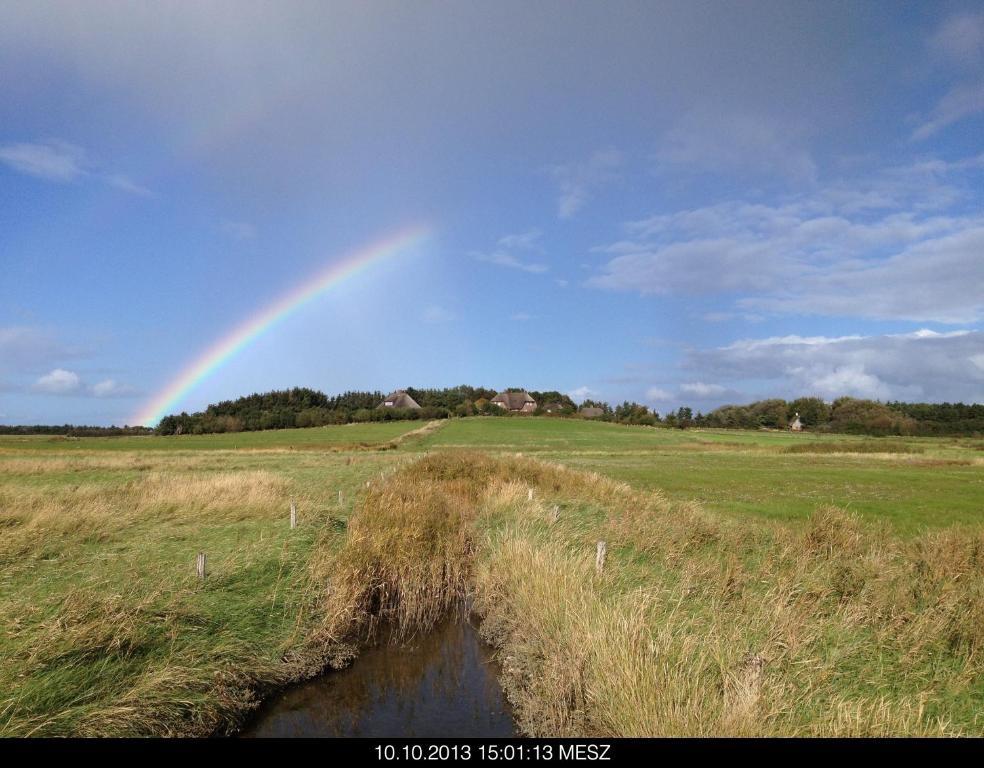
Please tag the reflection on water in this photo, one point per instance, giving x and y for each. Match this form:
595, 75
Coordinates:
443, 684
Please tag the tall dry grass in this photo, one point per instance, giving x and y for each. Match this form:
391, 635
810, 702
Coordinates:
700, 625
706, 626
37, 520
107, 632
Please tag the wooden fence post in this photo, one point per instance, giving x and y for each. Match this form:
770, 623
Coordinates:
293, 514
600, 557
529, 495
200, 565
339, 497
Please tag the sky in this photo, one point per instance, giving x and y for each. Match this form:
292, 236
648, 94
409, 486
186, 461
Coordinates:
676, 203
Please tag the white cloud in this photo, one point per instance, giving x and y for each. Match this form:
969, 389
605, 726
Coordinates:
58, 382
701, 390
747, 143
581, 394
656, 394
238, 230
112, 388
925, 365
959, 43
962, 100
522, 317
436, 314
878, 251
50, 160
579, 181
502, 259
126, 184
59, 161
960, 39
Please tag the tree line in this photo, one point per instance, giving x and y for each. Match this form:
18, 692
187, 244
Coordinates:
844, 415
303, 407
73, 430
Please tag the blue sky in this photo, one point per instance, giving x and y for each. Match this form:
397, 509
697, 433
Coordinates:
674, 203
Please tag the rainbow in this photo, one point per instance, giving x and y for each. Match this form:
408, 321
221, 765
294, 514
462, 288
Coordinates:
243, 335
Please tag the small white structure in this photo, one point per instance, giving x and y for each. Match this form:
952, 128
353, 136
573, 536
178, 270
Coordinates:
797, 425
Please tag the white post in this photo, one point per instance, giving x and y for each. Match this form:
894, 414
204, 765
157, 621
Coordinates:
600, 557
529, 495
339, 497
200, 565
293, 514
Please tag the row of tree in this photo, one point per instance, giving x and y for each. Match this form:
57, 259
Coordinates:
846, 415
73, 430
302, 407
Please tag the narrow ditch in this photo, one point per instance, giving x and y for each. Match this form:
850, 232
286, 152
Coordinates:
442, 684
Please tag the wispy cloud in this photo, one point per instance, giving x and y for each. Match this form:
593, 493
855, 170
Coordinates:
701, 390
878, 251
52, 160
580, 394
62, 162
112, 388
747, 143
503, 259
958, 44
522, 317
960, 39
525, 241
658, 395
124, 183
579, 181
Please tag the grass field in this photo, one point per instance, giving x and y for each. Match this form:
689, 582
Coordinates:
107, 630
940, 483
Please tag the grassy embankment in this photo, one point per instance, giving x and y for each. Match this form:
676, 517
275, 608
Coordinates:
698, 625
704, 621
106, 630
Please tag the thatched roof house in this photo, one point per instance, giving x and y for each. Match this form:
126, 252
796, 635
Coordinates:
515, 402
399, 399
591, 412
554, 407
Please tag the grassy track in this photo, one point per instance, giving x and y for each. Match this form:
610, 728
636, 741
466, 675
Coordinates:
107, 630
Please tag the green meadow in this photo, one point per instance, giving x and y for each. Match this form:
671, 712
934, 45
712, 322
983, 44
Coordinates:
912, 483
108, 631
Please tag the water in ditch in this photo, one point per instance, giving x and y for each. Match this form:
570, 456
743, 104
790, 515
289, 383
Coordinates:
442, 684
